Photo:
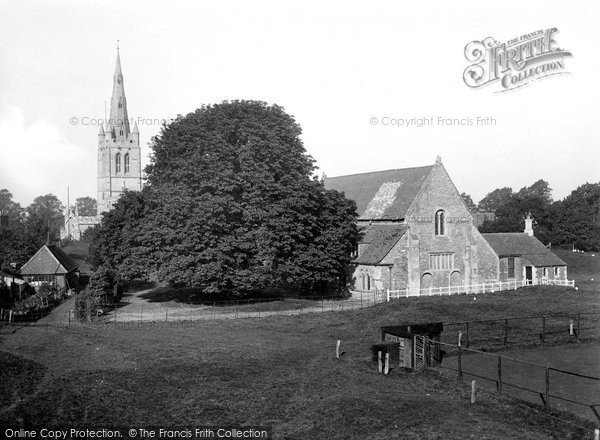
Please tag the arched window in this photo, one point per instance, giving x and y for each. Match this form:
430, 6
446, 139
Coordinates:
126, 163
440, 223
118, 163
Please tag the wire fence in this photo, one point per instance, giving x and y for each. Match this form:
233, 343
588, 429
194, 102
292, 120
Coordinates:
500, 333
148, 312
537, 383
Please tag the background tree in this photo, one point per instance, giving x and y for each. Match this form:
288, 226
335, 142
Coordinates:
493, 200
86, 206
231, 206
578, 219
47, 207
19, 235
469, 202
44, 218
8, 207
512, 208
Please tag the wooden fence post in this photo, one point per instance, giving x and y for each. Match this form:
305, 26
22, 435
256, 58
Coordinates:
499, 374
337, 349
472, 391
547, 402
543, 334
459, 338
460, 362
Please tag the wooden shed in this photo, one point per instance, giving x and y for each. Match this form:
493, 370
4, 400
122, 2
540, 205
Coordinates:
404, 336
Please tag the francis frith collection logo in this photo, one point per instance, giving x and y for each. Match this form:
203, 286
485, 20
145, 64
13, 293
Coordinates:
516, 62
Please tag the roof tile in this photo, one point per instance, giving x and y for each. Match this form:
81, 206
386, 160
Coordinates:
382, 194
381, 239
519, 244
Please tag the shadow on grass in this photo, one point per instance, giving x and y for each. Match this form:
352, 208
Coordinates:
19, 376
195, 296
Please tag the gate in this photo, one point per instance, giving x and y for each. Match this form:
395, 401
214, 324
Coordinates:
426, 352
419, 357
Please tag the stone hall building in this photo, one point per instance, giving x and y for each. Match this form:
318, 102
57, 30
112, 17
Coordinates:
419, 234
119, 160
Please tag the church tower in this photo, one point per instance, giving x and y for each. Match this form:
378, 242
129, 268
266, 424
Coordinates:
119, 156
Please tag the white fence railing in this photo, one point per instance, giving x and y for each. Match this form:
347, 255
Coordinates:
490, 287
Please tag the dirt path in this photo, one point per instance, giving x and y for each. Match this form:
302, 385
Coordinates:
59, 315
139, 309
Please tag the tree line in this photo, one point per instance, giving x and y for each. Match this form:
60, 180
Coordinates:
24, 230
573, 221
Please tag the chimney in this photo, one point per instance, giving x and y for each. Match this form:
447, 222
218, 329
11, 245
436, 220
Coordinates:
529, 225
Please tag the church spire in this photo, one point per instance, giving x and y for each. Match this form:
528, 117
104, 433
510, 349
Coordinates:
119, 120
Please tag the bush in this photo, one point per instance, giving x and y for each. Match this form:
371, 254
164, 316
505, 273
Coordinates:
104, 286
86, 306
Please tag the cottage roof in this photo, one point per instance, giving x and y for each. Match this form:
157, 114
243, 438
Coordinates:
380, 239
518, 244
382, 194
49, 260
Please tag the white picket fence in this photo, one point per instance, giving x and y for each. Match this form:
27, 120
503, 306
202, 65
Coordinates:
475, 288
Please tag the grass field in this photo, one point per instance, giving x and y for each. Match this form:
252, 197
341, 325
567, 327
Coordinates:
523, 375
277, 371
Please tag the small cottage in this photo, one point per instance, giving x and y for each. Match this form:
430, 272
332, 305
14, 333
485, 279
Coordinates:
524, 257
50, 266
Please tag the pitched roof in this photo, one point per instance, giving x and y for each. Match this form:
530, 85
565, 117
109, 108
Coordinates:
49, 260
519, 244
382, 194
380, 240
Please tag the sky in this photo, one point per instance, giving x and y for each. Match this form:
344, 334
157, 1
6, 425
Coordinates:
349, 72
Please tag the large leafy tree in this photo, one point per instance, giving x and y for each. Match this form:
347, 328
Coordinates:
231, 206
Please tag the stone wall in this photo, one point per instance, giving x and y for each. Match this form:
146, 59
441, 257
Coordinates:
474, 259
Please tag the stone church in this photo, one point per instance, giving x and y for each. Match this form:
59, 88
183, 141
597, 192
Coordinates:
119, 160
418, 233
